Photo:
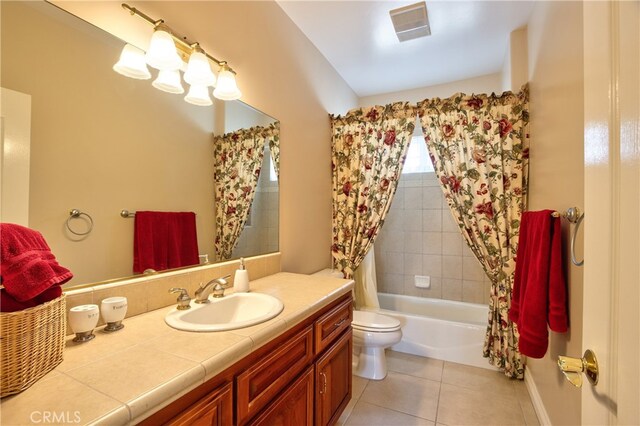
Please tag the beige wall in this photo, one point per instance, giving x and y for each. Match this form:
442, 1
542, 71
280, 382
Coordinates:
556, 173
506, 69
482, 84
281, 73
101, 142
518, 59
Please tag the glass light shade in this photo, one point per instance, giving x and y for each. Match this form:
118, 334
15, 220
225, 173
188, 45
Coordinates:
227, 89
199, 71
162, 54
198, 95
169, 81
131, 63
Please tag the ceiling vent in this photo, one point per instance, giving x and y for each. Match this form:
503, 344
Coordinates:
411, 21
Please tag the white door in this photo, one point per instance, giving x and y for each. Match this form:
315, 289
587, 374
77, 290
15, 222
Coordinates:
611, 320
15, 152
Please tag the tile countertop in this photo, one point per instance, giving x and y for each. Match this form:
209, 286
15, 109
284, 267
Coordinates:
121, 378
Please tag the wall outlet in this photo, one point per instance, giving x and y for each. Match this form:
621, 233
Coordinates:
422, 281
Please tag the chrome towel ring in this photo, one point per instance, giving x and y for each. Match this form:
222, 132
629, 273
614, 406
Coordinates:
575, 216
75, 214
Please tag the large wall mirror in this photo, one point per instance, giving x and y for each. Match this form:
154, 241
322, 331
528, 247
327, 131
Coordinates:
102, 143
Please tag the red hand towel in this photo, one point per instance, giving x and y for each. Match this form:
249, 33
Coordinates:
28, 266
539, 292
164, 240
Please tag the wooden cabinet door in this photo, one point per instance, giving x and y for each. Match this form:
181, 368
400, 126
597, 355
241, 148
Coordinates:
294, 407
216, 409
333, 381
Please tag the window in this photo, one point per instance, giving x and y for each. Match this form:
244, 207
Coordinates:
417, 160
272, 170
273, 177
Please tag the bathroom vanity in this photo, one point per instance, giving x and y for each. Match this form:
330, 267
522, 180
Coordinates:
302, 377
294, 369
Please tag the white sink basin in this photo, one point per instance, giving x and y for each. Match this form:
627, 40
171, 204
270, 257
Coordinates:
230, 312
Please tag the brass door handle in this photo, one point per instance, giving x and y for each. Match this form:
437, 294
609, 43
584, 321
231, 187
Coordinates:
572, 368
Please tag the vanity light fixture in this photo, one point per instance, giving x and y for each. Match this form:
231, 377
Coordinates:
198, 95
170, 54
227, 89
132, 63
198, 70
162, 54
169, 81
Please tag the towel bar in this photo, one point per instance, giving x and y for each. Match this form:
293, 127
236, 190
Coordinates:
127, 214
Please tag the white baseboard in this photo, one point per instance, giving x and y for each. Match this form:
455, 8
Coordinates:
536, 400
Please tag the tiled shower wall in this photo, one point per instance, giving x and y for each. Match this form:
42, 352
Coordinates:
260, 234
420, 237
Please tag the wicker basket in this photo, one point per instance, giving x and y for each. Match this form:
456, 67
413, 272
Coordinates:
31, 344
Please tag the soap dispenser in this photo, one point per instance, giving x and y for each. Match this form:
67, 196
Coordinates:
241, 279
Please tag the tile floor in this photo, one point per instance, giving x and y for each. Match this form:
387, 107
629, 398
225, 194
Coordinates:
423, 391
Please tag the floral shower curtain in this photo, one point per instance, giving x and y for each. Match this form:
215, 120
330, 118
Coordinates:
237, 162
479, 149
368, 146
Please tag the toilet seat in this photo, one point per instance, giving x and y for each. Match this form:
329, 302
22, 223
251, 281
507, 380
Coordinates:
374, 322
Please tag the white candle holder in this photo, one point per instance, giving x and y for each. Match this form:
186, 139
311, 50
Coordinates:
113, 311
82, 320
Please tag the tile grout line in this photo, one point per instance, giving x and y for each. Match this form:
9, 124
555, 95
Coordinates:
415, 377
518, 397
444, 364
439, 394
398, 411
524, 417
346, 420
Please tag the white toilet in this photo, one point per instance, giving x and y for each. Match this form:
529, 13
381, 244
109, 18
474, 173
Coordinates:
372, 334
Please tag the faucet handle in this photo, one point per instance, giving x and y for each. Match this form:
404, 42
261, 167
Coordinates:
183, 299
222, 282
221, 286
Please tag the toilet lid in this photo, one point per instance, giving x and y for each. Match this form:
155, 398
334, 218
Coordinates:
374, 321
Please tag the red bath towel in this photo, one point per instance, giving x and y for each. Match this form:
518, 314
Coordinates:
28, 266
164, 240
539, 292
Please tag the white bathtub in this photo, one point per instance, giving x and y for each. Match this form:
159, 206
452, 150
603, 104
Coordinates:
442, 329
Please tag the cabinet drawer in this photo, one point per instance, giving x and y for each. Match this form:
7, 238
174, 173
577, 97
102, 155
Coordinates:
261, 383
216, 409
331, 325
294, 407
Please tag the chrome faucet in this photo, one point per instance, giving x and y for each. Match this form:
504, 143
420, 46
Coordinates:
218, 284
